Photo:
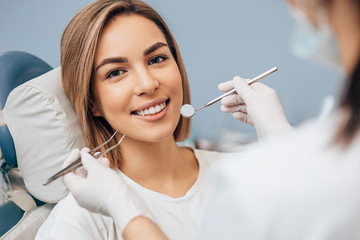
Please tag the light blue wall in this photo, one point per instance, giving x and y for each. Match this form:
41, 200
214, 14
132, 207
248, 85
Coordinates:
218, 40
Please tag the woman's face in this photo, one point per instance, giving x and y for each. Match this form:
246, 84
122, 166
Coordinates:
137, 84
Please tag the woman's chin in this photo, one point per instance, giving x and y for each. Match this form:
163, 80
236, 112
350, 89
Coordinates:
155, 137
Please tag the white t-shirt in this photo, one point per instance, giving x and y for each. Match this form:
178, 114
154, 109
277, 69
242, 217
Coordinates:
177, 217
297, 186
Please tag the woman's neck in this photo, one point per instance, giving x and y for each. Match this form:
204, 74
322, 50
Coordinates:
159, 166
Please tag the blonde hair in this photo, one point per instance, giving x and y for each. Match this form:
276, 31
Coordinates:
78, 47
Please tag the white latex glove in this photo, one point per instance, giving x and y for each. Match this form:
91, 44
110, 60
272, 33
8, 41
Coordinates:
98, 188
257, 105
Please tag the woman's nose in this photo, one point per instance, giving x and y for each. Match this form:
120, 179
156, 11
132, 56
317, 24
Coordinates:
146, 83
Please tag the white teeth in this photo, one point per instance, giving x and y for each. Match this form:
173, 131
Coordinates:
152, 110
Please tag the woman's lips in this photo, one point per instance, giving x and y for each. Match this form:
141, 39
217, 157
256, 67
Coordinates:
153, 113
149, 104
152, 110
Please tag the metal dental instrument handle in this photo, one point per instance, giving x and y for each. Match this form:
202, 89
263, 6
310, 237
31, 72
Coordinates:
234, 90
77, 163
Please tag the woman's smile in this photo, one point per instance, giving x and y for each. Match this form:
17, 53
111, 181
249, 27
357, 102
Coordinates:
152, 111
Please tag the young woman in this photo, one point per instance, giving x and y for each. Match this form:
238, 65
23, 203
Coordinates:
122, 71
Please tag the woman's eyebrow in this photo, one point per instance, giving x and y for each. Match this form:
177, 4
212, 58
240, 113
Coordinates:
154, 47
111, 60
149, 50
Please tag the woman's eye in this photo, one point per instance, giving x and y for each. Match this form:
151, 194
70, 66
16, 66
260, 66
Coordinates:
114, 73
157, 59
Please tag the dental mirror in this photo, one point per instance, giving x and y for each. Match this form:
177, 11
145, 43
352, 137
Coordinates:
187, 110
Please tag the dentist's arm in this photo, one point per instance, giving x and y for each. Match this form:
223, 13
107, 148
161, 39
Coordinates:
100, 189
257, 105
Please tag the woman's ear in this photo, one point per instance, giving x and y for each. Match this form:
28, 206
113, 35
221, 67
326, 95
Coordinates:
95, 110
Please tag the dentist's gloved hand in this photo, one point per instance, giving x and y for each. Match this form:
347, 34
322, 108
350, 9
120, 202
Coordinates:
257, 105
98, 188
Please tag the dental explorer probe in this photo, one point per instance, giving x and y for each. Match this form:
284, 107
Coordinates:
187, 110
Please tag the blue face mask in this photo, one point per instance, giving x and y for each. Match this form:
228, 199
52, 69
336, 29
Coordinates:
318, 44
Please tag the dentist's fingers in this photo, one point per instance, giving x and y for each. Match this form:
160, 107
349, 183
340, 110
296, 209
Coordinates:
232, 100
81, 171
238, 108
104, 161
226, 86
74, 154
243, 117
242, 87
72, 181
258, 86
87, 159
239, 83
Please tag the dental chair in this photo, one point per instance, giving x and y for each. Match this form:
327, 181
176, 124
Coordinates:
38, 129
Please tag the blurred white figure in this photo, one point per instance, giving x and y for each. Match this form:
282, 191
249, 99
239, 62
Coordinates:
306, 184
